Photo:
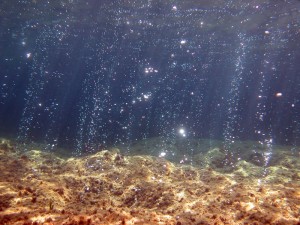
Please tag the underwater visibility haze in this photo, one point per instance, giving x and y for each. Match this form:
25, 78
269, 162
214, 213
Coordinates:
210, 84
89, 74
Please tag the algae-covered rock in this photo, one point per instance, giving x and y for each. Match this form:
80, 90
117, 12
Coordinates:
246, 169
6, 145
110, 188
213, 158
256, 158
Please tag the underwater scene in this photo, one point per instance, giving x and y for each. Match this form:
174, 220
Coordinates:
141, 112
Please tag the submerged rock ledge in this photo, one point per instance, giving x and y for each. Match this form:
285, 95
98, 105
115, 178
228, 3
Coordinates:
109, 188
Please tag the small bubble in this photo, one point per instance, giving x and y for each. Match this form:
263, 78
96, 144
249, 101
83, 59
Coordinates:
28, 55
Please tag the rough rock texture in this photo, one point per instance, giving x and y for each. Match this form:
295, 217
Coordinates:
110, 188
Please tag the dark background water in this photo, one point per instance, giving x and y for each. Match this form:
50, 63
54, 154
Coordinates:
88, 74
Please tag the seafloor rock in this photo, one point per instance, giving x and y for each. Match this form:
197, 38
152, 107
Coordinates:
216, 159
256, 158
212, 156
6, 145
109, 188
245, 169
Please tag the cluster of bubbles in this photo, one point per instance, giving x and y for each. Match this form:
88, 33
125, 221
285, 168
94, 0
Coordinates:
114, 72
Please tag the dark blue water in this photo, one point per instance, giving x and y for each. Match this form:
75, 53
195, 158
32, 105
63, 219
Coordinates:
86, 75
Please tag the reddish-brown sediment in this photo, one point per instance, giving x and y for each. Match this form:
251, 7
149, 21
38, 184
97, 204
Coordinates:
108, 188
